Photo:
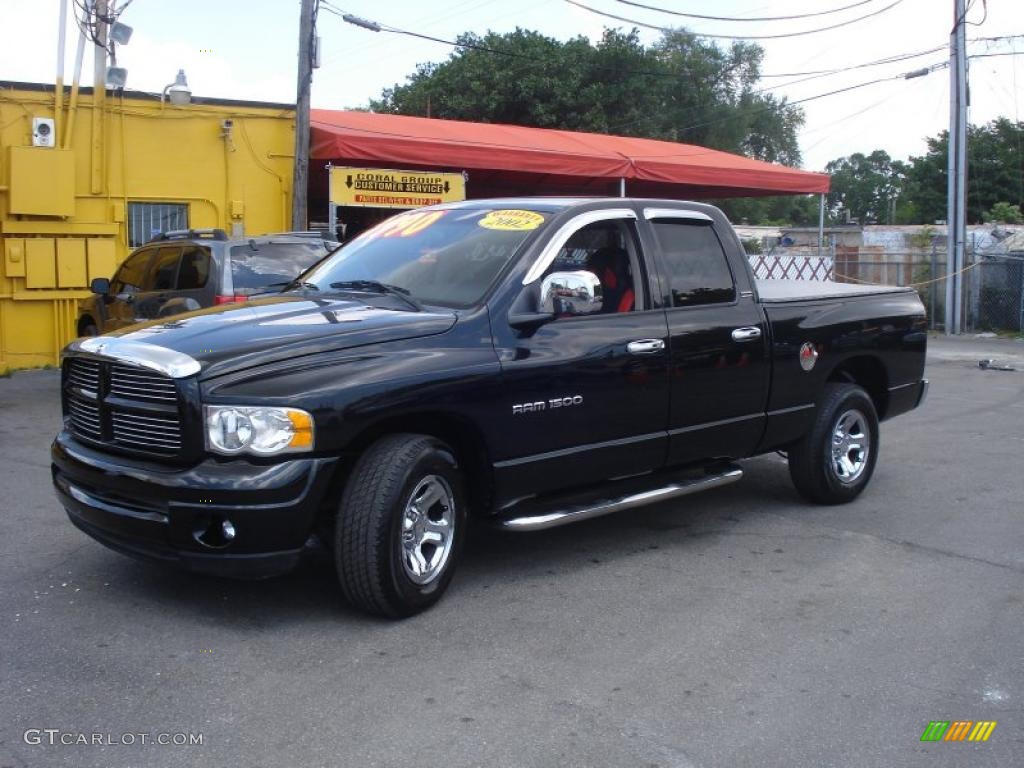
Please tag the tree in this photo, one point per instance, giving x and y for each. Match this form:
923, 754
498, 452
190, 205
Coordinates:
1004, 213
679, 89
995, 172
781, 210
864, 187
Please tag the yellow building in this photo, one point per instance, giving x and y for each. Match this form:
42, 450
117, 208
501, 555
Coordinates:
80, 188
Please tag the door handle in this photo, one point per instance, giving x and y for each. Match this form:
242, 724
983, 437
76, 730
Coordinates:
748, 333
645, 346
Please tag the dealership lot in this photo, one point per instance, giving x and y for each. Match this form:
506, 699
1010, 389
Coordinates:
741, 627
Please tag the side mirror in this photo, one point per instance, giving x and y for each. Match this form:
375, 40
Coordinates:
571, 293
100, 286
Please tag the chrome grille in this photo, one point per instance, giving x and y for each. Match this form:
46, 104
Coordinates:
85, 417
154, 433
125, 407
141, 384
84, 374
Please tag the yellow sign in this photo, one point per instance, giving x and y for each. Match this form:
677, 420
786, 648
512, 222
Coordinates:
381, 188
512, 221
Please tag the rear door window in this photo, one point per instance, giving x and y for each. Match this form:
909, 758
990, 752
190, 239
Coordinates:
256, 266
195, 269
163, 272
695, 262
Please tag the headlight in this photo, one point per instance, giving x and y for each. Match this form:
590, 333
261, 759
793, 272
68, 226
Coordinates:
234, 429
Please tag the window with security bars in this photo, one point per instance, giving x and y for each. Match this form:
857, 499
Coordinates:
147, 220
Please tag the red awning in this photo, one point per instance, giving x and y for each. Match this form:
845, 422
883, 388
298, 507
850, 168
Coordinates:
398, 140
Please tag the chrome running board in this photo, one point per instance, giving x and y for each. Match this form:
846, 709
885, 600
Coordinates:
540, 519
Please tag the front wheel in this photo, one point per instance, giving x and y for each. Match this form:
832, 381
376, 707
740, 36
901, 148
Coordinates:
400, 525
833, 463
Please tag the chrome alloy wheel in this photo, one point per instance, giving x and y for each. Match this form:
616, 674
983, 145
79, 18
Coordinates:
851, 445
428, 529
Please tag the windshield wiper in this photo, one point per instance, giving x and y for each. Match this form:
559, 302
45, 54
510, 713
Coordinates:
373, 286
291, 286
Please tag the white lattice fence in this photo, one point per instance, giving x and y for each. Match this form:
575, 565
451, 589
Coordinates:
783, 266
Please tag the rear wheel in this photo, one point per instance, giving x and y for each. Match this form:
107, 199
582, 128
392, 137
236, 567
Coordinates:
399, 526
88, 327
833, 463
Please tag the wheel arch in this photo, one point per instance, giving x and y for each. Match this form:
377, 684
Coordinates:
868, 372
459, 433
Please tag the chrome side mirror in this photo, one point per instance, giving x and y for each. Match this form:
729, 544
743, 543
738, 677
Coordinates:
571, 293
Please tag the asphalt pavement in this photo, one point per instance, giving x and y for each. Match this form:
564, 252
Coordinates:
741, 627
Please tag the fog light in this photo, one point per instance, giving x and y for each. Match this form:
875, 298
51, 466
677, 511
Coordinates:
215, 532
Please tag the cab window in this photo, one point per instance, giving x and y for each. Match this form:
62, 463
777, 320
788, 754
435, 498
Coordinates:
606, 250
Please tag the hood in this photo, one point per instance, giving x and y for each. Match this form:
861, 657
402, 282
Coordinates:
233, 337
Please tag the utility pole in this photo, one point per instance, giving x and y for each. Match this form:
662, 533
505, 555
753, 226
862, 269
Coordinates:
956, 192
99, 95
300, 176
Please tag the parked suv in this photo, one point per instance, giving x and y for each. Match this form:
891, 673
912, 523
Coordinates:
187, 270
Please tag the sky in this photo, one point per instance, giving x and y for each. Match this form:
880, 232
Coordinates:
246, 49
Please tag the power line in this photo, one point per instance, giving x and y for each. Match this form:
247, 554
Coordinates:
893, 59
770, 107
327, 6
647, 73
743, 18
896, 57
735, 37
844, 118
991, 55
508, 54
903, 76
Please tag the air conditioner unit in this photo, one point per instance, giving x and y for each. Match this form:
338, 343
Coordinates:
42, 132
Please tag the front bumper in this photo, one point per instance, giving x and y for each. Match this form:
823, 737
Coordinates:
164, 513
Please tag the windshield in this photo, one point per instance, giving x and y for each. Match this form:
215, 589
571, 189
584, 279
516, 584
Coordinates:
256, 266
447, 258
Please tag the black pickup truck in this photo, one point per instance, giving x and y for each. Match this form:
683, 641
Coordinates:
530, 362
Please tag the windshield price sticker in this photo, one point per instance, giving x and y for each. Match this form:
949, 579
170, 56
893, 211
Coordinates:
408, 224
512, 221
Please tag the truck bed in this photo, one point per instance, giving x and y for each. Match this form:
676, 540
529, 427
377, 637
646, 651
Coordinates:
778, 291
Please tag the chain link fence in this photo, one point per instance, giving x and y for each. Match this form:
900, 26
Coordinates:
993, 285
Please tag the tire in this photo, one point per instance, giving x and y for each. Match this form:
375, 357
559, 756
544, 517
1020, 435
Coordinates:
89, 328
378, 529
821, 470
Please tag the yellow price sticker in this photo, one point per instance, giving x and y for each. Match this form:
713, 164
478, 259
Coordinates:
407, 224
512, 221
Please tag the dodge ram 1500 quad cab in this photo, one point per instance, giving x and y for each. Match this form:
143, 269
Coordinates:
531, 362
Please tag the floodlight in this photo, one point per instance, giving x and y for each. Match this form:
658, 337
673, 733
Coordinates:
178, 92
